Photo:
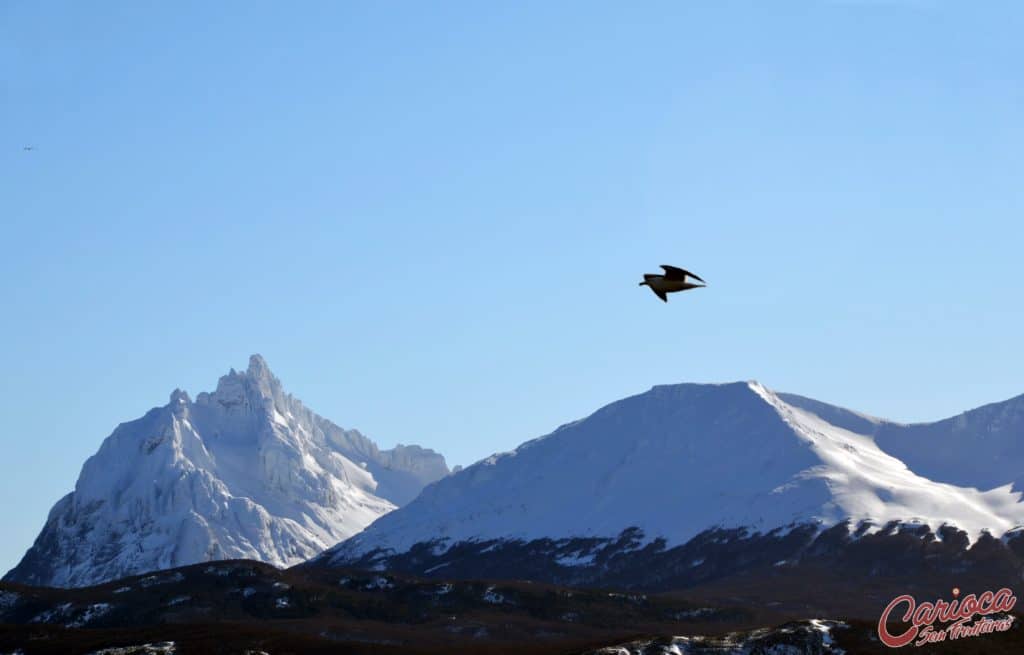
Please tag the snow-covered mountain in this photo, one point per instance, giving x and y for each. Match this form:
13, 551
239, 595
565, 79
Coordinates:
679, 463
244, 472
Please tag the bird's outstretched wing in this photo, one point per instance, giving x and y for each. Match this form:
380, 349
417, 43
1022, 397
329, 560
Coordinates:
660, 294
675, 273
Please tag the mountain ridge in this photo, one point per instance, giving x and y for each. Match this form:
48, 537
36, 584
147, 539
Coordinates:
674, 445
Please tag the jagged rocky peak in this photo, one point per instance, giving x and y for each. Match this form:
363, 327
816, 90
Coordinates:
243, 393
179, 397
246, 471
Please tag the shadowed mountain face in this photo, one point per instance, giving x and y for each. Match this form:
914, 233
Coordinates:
982, 448
245, 471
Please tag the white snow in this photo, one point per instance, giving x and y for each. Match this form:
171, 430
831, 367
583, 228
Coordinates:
378, 583
90, 614
151, 580
8, 599
868, 484
733, 643
694, 613
52, 615
825, 628
221, 571
244, 472
681, 459
493, 597
576, 559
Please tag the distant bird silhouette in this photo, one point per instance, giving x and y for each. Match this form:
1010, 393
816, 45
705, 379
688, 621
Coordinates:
28, 148
673, 280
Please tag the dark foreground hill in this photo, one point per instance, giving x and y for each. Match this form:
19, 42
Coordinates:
247, 607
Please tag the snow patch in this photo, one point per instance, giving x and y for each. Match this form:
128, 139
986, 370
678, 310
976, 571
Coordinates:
153, 580
157, 648
493, 597
221, 571
575, 559
52, 615
694, 613
90, 614
8, 599
825, 628
379, 583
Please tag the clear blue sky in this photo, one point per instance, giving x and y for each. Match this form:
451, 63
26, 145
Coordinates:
431, 218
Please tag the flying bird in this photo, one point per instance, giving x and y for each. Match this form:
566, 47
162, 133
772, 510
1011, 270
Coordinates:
673, 280
28, 148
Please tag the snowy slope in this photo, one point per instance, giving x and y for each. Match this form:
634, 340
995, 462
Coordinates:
244, 472
868, 484
676, 461
982, 448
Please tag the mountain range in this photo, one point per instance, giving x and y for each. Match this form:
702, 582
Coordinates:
681, 485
